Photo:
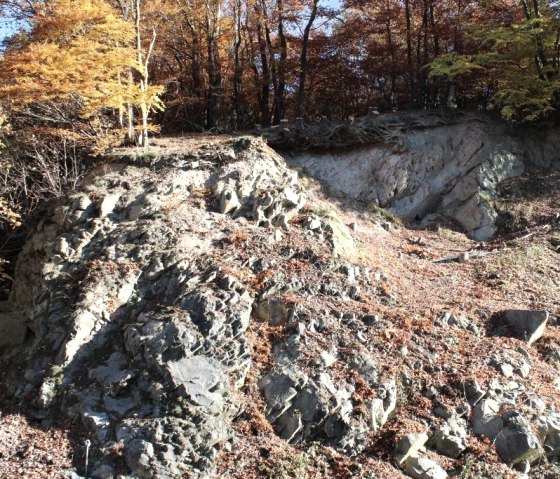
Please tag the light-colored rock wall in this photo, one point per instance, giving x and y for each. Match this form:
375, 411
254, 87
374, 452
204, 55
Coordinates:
447, 169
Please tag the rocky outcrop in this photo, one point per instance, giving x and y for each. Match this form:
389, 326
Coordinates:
141, 301
437, 168
135, 325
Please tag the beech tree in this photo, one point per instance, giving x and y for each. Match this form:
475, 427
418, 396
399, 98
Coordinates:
517, 61
76, 50
71, 51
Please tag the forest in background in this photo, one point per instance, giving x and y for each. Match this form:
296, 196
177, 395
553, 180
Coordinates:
82, 76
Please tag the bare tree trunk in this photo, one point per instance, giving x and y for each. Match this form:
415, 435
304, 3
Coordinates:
436, 93
214, 68
265, 75
196, 72
237, 69
143, 63
125, 6
279, 110
391, 49
131, 134
423, 59
300, 99
411, 90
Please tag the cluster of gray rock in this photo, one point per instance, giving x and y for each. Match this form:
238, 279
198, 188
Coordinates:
127, 319
130, 310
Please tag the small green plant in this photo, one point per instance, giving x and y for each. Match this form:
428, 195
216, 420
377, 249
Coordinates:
554, 241
521, 257
378, 213
485, 197
145, 157
326, 214
286, 466
467, 471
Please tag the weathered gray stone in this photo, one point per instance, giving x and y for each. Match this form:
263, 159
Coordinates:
423, 468
451, 438
486, 420
528, 325
229, 202
455, 321
547, 429
383, 405
409, 446
106, 205
280, 387
343, 244
329, 357
201, 379
312, 224
139, 455
473, 391
289, 425
516, 442
119, 406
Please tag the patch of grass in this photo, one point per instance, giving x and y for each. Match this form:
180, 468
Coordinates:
522, 257
450, 235
514, 216
286, 466
145, 156
378, 213
330, 214
240, 144
554, 241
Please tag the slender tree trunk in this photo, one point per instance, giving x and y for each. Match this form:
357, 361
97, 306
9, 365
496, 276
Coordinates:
279, 110
540, 58
143, 64
265, 74
126, 6
391, 49
196, 73
131, 134
300, 99
411, 90
237, 67
214, 68
435, 36
423, 60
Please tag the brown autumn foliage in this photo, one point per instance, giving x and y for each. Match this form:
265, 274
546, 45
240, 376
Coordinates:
80, 76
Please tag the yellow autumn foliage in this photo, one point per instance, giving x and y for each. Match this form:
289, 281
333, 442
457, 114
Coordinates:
77, 47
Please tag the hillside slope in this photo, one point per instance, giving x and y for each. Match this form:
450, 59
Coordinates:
203, 310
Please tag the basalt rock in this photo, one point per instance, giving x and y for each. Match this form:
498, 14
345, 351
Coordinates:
431, 166
132, 324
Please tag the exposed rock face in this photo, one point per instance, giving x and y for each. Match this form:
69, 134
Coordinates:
133, 301
444, 169
135, 321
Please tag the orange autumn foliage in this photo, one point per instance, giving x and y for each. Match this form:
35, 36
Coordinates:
76, 48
